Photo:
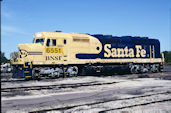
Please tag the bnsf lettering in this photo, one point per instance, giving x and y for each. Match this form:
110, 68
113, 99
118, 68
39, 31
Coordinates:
53, 57
123, 52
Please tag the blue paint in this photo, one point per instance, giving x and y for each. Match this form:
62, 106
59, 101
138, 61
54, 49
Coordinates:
122, 42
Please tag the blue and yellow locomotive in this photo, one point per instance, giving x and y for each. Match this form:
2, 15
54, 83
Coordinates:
57, 54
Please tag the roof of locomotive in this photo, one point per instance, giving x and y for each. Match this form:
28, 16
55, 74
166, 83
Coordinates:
126, 39
60, 34
121, 37
98, 36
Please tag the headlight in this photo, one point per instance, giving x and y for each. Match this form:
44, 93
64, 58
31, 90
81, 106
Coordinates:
38, 35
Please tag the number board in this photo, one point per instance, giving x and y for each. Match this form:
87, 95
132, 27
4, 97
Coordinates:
54, 50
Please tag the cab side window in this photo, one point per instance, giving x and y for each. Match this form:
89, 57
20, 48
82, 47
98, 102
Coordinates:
65, 41
48, 42
53, 42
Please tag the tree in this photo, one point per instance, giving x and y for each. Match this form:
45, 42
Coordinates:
167, 55
3, 58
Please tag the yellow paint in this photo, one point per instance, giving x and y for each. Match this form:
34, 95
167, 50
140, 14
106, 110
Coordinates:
153, 52
150, 51
26, 71
54, 50
25, 66
162, 58
30, 65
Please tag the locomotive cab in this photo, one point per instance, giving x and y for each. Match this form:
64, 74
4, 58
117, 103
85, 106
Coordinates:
45, 51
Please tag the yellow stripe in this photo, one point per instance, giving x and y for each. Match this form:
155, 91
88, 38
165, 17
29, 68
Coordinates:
153, 52
27, 76
98, 71
150, 51
134, 60
25, 66
26, 71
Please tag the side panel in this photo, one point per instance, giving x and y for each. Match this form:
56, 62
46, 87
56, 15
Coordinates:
125, 49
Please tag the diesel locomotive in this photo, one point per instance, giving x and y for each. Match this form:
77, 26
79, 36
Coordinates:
56, 54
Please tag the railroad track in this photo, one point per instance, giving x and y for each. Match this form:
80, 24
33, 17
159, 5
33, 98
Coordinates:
143, 104
96, 104
21, 80
59, 86
24, 80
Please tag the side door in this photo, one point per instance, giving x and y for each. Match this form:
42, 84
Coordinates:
64, 44
53, 53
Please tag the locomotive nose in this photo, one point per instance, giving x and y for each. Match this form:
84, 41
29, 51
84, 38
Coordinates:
23, 53
24, 46
23, 50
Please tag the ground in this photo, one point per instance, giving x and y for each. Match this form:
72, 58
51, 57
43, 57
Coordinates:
129, 93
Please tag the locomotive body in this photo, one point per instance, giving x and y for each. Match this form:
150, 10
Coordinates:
59, 54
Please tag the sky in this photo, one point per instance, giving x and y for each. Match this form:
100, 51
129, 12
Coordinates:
21, 19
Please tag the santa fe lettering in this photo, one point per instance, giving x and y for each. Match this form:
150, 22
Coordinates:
123, 52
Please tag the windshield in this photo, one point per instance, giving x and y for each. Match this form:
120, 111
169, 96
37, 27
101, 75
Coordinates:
40, 41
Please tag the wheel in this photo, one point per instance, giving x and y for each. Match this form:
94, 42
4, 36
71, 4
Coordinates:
155, 68
134, 69
72, 71
35, 74
55, 74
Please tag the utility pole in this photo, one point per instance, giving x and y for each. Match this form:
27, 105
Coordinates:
170, 27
